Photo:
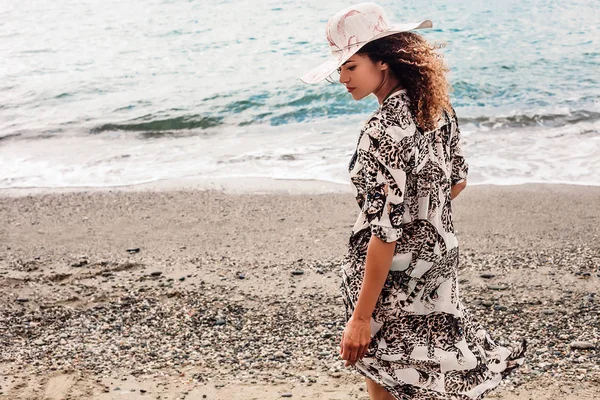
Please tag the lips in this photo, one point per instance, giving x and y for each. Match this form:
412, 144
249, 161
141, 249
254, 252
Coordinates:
350, 89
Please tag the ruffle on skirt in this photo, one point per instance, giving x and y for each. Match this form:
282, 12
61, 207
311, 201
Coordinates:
429, 347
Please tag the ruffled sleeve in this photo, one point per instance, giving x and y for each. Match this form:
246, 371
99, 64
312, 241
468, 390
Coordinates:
460, 168
382, 152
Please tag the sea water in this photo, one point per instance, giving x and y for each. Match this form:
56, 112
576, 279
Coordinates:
107, 93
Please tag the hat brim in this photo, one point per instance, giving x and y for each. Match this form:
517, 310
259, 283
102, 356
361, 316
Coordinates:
327, 68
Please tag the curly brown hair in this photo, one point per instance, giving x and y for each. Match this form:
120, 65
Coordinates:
419, 69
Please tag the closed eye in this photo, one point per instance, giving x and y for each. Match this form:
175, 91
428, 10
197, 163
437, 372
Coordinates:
339, 70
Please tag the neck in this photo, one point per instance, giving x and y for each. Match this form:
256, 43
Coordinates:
388, 85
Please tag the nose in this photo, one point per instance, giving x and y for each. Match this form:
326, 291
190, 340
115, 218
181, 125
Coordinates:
343, 77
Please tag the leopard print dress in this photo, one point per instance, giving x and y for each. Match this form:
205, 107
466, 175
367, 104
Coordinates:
424, 343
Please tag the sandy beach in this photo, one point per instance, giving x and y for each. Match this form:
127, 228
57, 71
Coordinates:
232, 294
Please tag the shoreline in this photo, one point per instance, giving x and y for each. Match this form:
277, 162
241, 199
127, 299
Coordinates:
242, 185
228, 185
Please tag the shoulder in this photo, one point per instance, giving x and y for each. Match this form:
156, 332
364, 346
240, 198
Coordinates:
393, 120
451, 117
390, 134
398, 104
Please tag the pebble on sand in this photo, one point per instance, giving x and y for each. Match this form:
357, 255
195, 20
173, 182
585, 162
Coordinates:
582, 346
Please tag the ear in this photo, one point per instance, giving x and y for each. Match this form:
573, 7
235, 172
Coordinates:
383, 66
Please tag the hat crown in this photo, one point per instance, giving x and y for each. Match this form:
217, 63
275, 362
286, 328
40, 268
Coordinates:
352, 28
355, 24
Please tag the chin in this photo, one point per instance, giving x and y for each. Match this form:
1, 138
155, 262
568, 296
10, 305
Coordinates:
357, 96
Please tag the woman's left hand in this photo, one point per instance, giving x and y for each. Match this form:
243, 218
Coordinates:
355, 340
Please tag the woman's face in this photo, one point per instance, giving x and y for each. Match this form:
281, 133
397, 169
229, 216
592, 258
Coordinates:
361, 76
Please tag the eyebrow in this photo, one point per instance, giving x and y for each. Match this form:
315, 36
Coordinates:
348, 62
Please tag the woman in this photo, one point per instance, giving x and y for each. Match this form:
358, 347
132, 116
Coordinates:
407, 330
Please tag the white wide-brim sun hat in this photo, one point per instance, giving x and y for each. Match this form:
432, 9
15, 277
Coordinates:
352, 28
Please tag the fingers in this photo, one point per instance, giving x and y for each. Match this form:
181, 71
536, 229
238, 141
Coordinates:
347, 347
363, 351
352, 352
344, 347
351, 349
353, 356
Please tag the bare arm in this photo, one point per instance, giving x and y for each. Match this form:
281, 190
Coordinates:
379, 260
460, 167
456, 189
357, 335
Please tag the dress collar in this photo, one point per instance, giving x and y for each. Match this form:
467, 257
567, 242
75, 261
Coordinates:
393, 94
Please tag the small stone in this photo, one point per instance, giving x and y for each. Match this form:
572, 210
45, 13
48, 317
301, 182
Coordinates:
22, 300
142, 391
133, 250
38, 342
320, 271
497, 287
156, 273
220, 321
297, 272
335, 374
182, 279
279, 354
487, 303
79, 264
582, 346
286, 395
487, 275
241, 276
499, 307
549, 311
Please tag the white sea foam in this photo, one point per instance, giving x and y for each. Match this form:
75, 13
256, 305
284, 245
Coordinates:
505, 157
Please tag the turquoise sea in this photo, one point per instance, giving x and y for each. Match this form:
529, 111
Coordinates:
107, 93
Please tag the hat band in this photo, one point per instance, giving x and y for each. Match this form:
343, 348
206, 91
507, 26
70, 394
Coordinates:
347, 47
